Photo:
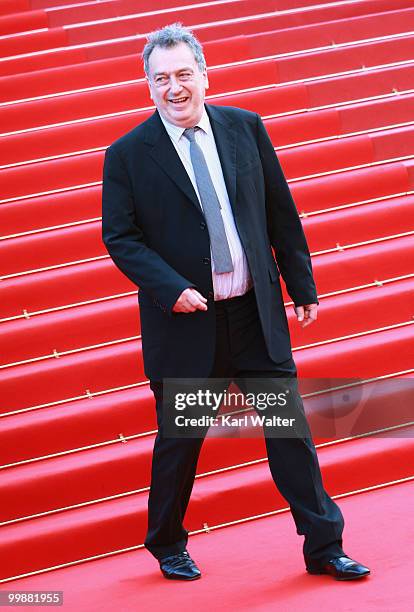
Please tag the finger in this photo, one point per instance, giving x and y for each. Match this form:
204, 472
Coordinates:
309, 319
313, 312
180, 308
299, 312
187, 306
200, 297
183, 305
195, 300
307, 322
201, 306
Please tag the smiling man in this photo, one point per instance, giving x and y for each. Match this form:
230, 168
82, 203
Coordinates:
177, 89
194, 200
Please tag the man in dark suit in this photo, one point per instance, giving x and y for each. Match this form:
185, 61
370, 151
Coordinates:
194, 200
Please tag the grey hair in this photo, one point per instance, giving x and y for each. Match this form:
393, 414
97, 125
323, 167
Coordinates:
170, 36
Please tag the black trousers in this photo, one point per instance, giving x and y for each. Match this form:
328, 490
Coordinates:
241, 354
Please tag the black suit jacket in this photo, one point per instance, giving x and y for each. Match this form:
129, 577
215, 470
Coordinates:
154, 230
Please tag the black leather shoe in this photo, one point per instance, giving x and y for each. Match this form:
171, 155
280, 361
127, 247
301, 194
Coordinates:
341, 568
179, 567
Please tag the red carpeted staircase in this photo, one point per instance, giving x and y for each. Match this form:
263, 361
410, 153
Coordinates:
334, 83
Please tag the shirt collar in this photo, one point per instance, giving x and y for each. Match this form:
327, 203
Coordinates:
175, 132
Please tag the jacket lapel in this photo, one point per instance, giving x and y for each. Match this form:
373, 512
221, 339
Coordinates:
164, 153
226, 142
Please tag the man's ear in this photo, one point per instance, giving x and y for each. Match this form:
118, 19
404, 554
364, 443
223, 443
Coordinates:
206, 79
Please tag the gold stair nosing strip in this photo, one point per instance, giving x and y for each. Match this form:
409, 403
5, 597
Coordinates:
50, 228
335, 105
90, 395
339, 207
355, 335
343, 247
212, 68
319, 392
255, 88
293, 145
341, 136
80, 449
114, 19
255, 16
51, 192
57, 354
230, 468
28, 314
215, 23
129, 16
302, 214
80, 186
101, 257
346, 169
376, 283
87, 395
199, 531
24, 33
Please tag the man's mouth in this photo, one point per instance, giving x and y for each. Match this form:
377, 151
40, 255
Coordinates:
179, 100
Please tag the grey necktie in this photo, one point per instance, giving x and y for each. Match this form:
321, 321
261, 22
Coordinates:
211, 207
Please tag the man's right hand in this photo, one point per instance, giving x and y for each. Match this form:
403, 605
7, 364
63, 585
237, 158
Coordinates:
189, 301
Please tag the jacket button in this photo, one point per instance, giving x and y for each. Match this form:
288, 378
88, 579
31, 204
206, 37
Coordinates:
203, 225
206, 261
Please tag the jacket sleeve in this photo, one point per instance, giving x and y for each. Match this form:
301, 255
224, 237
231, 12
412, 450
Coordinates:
125, 243
284, 227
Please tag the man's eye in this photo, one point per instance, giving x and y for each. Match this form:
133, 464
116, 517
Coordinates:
160, 80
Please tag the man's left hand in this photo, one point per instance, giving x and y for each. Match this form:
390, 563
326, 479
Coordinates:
306, 314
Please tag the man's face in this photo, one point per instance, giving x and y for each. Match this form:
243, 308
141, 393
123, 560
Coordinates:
177, 86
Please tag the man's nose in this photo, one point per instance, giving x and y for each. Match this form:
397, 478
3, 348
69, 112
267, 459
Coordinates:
175, 85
